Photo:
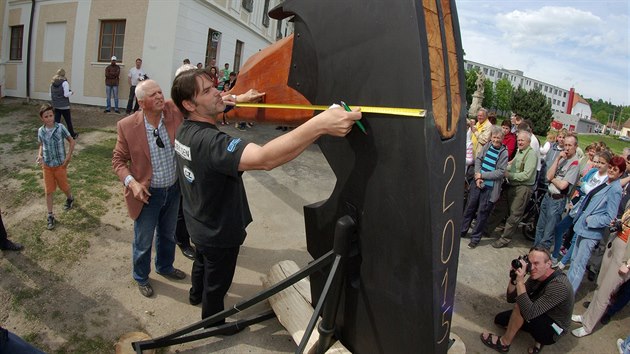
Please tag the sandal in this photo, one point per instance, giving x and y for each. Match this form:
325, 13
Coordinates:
498, 345
535, 349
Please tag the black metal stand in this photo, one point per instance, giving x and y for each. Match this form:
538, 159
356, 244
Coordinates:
344, 230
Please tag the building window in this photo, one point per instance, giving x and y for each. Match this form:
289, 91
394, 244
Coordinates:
545, 88
111, 40
500, 75
238, 52
485, 71
17, 34
562, 104
468, 66
248, 5
54, 42
554, 101
265, 21
555, 91
212, 45
565, 95
492, 73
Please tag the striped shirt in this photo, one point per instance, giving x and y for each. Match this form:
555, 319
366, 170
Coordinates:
555, 300
52, 141
162, 159
489, 163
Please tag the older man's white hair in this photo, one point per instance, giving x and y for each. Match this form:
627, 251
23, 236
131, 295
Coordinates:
183, 68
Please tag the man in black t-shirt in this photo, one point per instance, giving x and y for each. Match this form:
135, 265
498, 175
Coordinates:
210, 164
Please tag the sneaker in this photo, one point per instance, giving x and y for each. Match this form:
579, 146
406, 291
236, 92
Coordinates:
559, 265
51, 222
554, 262
106, 111
620, 345
117, 111
576, 318
146, 290
472, 245
580, 332
68, 205
11, 246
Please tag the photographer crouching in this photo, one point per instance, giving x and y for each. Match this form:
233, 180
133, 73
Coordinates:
543, 303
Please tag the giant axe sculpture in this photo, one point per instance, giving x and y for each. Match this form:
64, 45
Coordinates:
401, 185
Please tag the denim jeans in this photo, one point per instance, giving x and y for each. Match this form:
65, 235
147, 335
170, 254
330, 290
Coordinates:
109, 91
11, 343
550, 213
478, 207
562, 227
158, 218
626, 346
579, 258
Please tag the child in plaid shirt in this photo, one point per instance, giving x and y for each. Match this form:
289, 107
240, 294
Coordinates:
52, 156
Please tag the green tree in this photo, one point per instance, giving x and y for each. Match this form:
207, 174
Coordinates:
504, 93
488, 95
601, 116
471, 78
517, 103
535, 106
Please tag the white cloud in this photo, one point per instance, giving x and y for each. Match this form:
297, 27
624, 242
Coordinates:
547, 26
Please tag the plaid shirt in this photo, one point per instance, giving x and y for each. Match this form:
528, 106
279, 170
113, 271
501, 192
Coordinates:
162, 159
53, 147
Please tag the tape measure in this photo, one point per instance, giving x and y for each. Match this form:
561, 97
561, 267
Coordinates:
406, 112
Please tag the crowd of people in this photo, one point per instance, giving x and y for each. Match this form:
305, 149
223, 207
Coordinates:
585, 208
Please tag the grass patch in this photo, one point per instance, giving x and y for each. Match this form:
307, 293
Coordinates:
613, 143
89, 174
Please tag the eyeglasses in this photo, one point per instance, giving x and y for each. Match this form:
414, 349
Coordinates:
158, 140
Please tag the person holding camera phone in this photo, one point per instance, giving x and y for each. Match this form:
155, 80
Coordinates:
613, 274
136, 74
543, 303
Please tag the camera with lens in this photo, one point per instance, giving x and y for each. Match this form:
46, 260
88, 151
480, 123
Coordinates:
142, 77
615, 226
516, 264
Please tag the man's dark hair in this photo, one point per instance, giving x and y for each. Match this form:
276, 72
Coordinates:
45, 107
185, 87
524, 126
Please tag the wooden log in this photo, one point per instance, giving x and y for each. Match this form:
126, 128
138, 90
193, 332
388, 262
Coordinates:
293, 305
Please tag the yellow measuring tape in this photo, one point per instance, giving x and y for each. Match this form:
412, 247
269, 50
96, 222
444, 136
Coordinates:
407, 112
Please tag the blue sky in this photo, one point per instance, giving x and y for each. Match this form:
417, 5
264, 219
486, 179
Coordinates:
581, 44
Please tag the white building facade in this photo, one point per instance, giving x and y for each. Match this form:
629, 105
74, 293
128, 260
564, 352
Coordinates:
557, 96
82, 35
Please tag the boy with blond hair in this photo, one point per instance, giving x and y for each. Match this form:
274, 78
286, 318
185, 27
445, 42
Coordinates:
53, 158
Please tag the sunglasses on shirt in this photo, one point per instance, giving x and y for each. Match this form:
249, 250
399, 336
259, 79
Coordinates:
158, 140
